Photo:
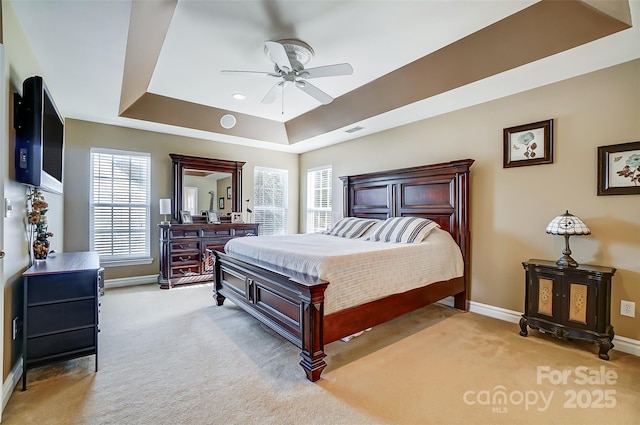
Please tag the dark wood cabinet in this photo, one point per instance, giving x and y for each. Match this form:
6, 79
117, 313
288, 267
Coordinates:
60, 309
185, 249
569, 302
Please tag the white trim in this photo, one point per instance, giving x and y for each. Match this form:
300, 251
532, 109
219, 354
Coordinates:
131, 281
623, 344
129, 262
10, 383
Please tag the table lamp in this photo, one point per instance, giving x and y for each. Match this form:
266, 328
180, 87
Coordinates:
165, 208
567, 225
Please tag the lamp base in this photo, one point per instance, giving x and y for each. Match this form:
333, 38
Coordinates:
567, 261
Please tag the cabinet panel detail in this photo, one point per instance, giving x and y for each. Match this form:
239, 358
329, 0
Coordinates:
578, 303
545, 296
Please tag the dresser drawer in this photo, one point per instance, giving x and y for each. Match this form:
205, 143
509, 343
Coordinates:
184, 271
55, 287
184, 247
185, 258
48, 318
184, 233
62, 343
209, 233
245, 232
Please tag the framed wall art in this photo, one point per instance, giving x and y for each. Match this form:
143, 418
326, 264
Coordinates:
619, 169
529, 144
236, 217
228, 192
220, 203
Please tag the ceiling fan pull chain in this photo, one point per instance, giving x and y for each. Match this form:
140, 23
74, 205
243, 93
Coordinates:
282, 101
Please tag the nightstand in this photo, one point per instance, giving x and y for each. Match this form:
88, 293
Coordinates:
569, 302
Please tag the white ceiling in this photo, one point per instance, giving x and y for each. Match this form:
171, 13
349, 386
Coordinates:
81, 48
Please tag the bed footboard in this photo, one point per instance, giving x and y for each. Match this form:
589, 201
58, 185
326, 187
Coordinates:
292, 304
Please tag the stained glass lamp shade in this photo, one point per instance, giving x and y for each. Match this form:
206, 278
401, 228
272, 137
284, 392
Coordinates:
567, 225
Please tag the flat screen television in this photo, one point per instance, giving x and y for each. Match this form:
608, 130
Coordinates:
39, 154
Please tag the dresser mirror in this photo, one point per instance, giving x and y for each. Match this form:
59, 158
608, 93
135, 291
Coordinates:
205, 184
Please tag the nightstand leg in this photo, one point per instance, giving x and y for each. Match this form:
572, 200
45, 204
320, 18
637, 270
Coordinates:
523, 326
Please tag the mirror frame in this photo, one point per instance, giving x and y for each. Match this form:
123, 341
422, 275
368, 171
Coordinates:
182, 162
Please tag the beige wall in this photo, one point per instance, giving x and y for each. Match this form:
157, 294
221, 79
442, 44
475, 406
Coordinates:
20, 63
510, 208
81, 136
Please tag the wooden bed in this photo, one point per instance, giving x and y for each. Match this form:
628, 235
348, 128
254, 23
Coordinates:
292, 304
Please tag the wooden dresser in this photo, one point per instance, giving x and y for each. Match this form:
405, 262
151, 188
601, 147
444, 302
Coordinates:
185, 249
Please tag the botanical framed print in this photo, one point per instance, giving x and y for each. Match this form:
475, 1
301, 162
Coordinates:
220, 203
529, 144
619, 169
228, 192
185, 217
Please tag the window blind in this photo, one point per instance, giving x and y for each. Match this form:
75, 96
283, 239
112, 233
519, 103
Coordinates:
319, 199
270, 188
119, 204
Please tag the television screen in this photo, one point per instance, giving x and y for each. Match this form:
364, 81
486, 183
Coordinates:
52, 136
39, 128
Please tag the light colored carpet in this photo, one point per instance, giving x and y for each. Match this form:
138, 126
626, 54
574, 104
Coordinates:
173, 357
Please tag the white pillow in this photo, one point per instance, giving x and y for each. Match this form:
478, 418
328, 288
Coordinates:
403, 230
351, 227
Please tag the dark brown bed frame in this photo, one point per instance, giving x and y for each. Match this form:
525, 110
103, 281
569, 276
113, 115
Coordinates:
292, 304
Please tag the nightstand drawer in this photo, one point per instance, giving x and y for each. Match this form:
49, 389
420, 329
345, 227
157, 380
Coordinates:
62, 343
48, 318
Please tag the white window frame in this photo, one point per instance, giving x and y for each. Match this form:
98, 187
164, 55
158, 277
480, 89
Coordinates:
121, 260
312, 211
264, 228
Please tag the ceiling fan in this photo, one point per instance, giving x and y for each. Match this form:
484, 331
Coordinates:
289, 57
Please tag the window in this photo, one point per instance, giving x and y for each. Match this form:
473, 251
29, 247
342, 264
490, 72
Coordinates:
270, 190
319, 199
119, 206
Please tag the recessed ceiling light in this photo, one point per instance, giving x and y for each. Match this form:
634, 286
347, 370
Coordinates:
228, 121
239, 96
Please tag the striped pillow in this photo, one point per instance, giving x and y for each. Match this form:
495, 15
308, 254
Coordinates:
351, 227
403, 230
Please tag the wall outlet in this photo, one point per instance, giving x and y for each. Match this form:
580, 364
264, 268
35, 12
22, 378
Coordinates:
627, 308
15, 328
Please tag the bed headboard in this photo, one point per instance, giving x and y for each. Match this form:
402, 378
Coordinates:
439, 192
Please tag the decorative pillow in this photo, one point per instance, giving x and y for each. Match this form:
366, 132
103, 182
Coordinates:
351, 227
403, 230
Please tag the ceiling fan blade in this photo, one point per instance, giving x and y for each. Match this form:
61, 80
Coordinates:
273, 93
327, 71
315, 92
278, 54
231, 72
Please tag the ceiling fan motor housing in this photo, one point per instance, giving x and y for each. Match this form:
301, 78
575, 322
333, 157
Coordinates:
298, 52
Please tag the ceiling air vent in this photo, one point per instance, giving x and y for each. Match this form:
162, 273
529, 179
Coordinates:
354, 129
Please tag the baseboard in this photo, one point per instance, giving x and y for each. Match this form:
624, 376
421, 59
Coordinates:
623, 344
10, 383
131, 281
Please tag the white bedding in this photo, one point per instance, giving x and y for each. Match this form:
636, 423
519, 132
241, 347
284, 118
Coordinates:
358, 271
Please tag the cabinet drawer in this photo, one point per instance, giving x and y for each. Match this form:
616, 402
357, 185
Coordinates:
191, 270
62, 343
57, 317
63, 286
